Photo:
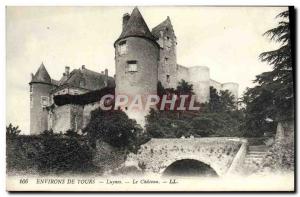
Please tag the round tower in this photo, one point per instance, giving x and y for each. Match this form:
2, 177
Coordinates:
40, 88
233, 88
200, 78
136, 60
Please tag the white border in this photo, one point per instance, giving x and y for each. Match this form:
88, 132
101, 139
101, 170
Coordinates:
4, 3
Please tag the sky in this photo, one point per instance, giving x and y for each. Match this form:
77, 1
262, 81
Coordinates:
228, 40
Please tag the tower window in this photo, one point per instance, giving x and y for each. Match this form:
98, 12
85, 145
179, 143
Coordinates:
168, 78
44, 101
31, 101
166, 60
30, 88
132, 66
122, 47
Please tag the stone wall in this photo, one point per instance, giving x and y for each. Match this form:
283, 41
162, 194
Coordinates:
158, 154
217, 85
108, 157
182, 73
38, 113
142, 82
67, 117
87, 112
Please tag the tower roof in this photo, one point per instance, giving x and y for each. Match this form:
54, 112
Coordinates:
162, 26
41, 76
136, 26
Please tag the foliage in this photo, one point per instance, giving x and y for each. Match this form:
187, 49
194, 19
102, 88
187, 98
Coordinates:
219, 117
280, 156
61, 154
221, 102
12, 131
49, 153
184, 88
272, 99
113, 127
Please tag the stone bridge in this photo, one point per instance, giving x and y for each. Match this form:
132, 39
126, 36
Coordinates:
223, 155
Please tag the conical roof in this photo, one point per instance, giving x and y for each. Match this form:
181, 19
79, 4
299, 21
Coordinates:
41, 76
136, 26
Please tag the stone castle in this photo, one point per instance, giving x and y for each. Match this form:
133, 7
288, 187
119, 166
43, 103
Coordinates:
142, 59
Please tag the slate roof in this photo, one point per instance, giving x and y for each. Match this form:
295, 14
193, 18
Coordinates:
86, 79
161, 27
136, 26
41, 75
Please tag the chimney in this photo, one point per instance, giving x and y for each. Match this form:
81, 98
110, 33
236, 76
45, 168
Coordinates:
67, 70
102, 72
106, 72
83, 67
126, 17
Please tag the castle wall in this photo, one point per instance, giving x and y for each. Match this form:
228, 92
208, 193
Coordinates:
40, 94
87, 112
144, 80
167, 68
67, 117
215, 84
199, 77
182, 73
233, 88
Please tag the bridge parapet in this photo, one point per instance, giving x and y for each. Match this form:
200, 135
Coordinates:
157, 154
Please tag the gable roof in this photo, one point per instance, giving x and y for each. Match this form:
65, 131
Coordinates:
87, 79
41, 76
136, 26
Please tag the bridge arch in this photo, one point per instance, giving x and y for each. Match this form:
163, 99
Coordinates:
189, 167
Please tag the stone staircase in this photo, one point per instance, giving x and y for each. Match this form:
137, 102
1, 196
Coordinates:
254, 158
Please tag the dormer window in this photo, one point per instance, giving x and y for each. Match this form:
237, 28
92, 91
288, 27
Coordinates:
132, 66
122, 48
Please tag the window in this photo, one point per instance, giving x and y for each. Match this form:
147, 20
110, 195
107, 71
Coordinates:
122, 48
166, 60
31, 101
132, 66
168, 78
44, 101
76, 91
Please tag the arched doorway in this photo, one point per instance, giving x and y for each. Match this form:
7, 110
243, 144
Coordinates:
189, 167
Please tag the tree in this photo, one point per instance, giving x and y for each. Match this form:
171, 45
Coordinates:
184, 88
113, 127
272, 99
219, 117
11, 131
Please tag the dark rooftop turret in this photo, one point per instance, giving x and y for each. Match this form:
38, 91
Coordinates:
41, 76
135, 27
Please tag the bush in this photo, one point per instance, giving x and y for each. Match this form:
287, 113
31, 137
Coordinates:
113, 127
49, 153
280, 156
